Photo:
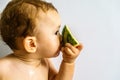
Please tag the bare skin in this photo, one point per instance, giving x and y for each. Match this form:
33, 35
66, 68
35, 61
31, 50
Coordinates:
13, 68
31, 61
16, 69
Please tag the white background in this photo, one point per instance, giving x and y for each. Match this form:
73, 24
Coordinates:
95, 23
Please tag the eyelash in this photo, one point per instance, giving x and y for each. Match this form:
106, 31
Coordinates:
56, 33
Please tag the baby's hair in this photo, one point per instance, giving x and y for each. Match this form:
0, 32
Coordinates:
18, 19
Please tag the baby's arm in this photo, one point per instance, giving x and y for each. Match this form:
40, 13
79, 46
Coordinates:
70, 53
66, 71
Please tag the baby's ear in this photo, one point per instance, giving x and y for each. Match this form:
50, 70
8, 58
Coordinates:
30, 44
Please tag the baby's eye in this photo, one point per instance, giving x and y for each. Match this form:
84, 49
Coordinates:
57, 32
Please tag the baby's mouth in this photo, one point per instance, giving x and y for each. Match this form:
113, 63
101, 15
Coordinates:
61, 43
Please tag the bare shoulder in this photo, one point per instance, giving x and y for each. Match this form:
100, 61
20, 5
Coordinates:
4, 62
3, 67
6, 66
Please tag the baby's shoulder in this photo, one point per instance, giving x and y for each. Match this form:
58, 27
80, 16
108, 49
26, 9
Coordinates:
4, 64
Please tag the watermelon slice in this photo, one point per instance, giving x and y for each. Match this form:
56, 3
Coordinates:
67, 37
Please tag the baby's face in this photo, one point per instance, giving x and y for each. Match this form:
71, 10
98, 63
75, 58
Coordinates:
48, 36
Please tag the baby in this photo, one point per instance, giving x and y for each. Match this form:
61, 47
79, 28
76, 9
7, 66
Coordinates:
31, 29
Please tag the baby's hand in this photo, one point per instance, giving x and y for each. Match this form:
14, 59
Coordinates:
70, 52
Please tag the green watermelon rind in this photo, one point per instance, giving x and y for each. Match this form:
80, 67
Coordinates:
68, 37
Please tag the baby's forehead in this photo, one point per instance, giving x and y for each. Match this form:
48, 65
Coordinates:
51, 17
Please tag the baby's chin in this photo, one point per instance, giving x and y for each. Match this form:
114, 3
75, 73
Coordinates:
57, 52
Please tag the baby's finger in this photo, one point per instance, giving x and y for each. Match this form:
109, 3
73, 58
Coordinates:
79, 47
71, 47
68, 51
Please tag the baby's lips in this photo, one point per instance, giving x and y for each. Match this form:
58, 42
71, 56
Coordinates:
62, 42
62, 49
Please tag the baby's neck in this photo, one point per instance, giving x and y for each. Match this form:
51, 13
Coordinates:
28, 60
